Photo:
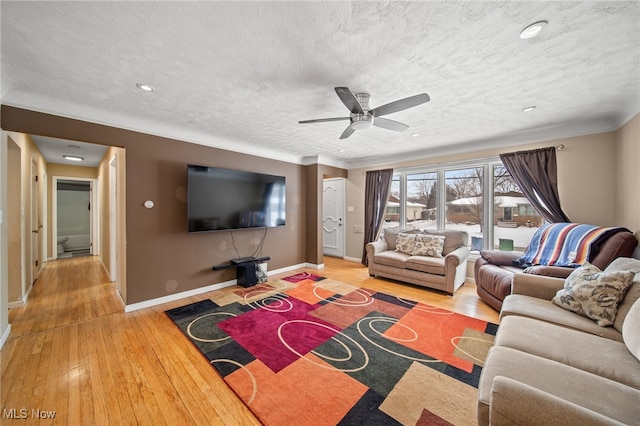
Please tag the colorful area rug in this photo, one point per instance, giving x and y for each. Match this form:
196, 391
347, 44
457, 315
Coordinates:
306, 350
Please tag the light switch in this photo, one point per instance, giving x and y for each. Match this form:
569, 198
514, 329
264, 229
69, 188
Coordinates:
350, 209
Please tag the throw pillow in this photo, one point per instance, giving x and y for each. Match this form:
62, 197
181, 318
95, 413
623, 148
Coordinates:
595, 294
429, 245
405, 243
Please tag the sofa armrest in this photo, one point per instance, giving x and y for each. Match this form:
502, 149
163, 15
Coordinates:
377, 247
539, 286
516, 403
498, 257
457, 257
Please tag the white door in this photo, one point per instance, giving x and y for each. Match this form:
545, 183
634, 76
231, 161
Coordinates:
333, 217
35, 224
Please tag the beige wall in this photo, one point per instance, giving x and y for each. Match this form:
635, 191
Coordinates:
104, 171
4, 276
12, 217
61, 170
628, 175
30, 157
587, 173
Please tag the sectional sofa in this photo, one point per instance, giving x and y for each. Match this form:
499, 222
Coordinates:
552, 366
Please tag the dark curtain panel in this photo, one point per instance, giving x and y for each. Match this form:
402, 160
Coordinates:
375, 202
535, 172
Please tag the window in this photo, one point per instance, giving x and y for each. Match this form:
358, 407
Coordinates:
421, 202
464, 196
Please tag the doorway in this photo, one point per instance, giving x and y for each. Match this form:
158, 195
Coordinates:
35, 223
74, 217
333, 217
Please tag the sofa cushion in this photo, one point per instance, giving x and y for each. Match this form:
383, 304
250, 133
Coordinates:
391, 234
431, 265
604, 357
452, 239
590, 292
599, 394
631, 330
633, 293
428, 245
545, 310
405, 243
391, 258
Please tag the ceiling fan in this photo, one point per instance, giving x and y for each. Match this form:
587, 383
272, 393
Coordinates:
362, 117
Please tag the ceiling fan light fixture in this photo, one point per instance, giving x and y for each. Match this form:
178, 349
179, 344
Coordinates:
145, 87
533, 30
361, 121
73, 158
529, 108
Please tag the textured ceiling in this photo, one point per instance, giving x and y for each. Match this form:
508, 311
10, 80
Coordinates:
240, 75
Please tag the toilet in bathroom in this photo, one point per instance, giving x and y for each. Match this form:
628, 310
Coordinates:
61, 241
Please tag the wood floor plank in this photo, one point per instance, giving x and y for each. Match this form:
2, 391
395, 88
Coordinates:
74, 351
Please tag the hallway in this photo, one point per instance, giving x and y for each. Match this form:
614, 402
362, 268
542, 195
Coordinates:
74, 352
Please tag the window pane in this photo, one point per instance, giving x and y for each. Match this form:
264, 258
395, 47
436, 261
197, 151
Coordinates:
465, 203
515, 220
421, 206
392, 213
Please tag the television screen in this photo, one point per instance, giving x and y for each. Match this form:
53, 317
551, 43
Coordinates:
222, 199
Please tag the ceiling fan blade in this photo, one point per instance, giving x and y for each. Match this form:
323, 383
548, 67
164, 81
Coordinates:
347, 132
349, 99
323, 120
400, 105
385, 123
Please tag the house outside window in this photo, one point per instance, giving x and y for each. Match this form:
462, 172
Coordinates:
464, 196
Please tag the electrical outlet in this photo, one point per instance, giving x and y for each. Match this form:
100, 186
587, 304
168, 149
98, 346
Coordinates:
357, 229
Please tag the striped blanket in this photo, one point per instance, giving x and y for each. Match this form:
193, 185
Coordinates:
564, 244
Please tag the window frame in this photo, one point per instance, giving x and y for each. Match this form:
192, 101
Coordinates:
487, 164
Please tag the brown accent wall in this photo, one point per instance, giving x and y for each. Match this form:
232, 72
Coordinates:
161, 257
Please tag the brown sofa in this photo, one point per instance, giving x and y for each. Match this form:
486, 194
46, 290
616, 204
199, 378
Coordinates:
494, 269
446, 273
554, 367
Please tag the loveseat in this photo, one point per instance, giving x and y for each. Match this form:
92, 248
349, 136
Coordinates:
494, 269
552, 366
393, 257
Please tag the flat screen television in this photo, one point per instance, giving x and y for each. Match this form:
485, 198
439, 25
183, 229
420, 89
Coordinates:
222, 199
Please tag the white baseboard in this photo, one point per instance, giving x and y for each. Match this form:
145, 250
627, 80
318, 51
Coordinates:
200, 290
16, 304
352, 259
5, 335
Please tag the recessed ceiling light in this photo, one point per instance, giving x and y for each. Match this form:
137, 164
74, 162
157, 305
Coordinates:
529, 108
72, 158
145, 87
533, 29
415, 134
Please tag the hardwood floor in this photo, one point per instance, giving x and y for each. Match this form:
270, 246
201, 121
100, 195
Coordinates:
73, 351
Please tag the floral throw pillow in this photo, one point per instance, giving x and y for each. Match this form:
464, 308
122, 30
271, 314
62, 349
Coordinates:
405, 243
595, 294
429, 245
